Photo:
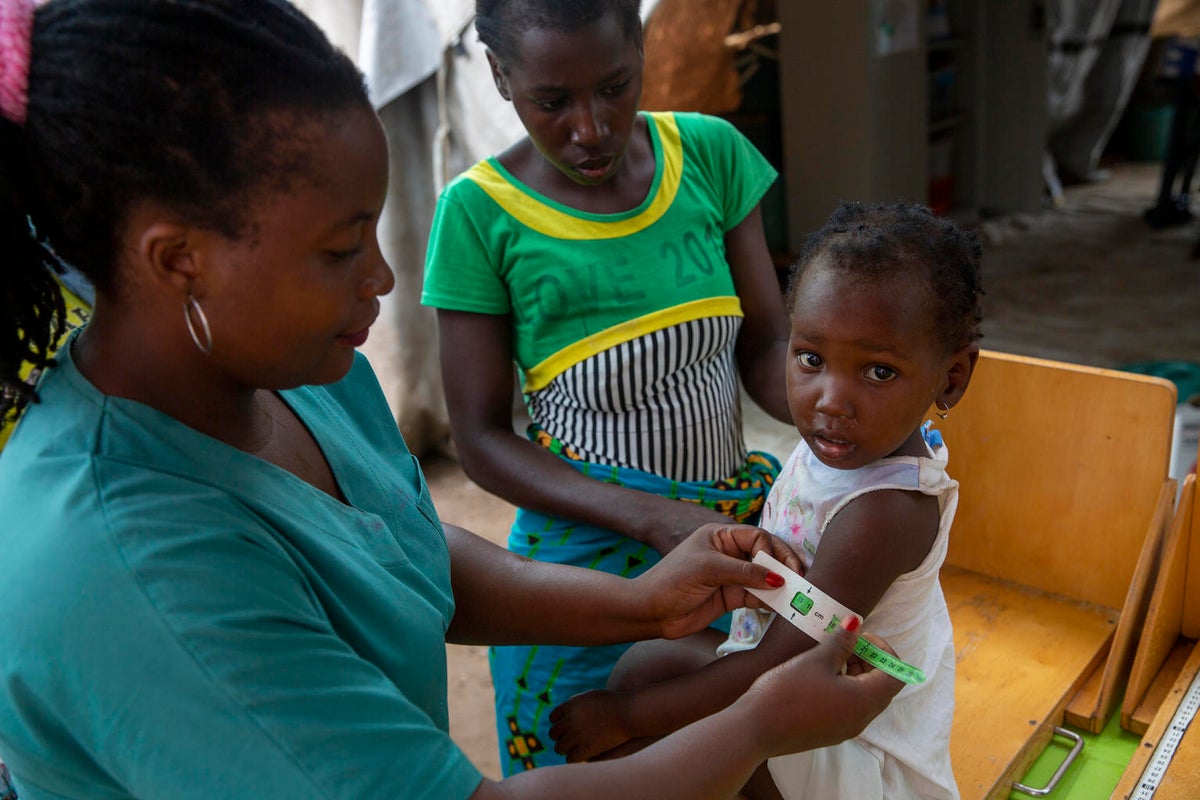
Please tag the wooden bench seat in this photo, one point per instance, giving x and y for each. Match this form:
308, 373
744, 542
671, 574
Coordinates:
1063, 503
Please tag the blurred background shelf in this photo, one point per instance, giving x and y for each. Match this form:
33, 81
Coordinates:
945, 105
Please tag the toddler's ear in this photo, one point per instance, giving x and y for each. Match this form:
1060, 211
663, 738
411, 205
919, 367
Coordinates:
959, 366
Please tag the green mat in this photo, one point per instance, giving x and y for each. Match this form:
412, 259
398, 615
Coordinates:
1097, 769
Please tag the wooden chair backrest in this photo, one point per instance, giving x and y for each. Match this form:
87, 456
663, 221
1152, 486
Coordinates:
1189, 523
1060, 468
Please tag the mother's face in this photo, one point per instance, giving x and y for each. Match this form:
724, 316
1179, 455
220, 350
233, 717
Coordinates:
576, 93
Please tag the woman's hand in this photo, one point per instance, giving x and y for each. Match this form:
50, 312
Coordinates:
707, 575
821, 697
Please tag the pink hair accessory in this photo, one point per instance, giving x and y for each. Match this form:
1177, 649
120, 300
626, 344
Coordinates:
16, 30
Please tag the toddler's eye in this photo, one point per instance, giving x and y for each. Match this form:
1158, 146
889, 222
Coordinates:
881, 373
810, 360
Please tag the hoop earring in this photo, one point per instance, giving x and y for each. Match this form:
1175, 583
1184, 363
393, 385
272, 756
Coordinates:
190, 307
941, 412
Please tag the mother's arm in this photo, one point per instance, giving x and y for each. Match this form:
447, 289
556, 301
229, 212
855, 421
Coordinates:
478, 373
763, 341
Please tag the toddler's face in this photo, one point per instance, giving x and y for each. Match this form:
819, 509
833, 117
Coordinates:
865, 365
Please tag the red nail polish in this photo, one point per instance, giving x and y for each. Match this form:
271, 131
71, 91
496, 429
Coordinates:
851, 624
774, 580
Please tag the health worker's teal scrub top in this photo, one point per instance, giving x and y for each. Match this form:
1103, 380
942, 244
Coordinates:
183, 620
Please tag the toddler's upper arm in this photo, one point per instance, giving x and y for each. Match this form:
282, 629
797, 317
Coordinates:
875, 539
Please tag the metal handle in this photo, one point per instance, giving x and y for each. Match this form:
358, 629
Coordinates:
1062, 768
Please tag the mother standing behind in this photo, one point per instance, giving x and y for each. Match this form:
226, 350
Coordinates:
618, 259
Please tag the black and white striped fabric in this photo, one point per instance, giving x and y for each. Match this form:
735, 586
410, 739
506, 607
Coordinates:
666, 403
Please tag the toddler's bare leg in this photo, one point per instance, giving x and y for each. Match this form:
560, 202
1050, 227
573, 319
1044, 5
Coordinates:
660, 659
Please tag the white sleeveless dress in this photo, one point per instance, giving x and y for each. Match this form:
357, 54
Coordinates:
905, 752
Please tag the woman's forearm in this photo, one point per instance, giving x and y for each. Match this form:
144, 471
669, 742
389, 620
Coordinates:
711, 758
706, 576
667, 706
572, 606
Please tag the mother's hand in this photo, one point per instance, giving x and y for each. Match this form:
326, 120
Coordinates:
707, 575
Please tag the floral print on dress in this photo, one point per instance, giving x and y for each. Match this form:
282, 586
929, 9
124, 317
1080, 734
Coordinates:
798, 524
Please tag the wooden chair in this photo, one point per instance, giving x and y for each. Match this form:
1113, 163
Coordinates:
1063, 502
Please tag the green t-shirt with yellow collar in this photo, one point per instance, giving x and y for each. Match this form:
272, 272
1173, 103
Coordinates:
577, 283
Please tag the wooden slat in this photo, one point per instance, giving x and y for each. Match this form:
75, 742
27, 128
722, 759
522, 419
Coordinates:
1095, 692
1143, 716
1190, 624
1091, 708
1165, 616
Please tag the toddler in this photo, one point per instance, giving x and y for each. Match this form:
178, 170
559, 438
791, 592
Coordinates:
885, 313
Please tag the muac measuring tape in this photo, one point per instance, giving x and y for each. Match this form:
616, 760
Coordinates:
1156, 769
818, 614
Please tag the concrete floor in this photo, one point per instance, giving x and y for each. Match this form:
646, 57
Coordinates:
1090, 282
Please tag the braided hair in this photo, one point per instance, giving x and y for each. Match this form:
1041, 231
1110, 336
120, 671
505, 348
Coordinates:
186, 103
500, 23
871, 242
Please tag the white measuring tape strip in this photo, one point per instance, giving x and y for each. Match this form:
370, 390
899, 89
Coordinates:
817, 614
1153, 774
